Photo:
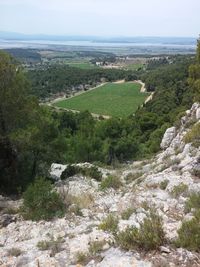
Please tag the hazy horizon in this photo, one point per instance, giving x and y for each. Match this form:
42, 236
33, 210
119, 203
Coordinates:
101, 18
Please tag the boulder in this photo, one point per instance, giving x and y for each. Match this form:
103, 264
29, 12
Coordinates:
6, 219
168, 137
56, 170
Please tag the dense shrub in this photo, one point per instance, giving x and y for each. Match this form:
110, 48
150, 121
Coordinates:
92, 172
72, 170
193, 136
189, 234
41, 202
149, 236
110, 224
193, 202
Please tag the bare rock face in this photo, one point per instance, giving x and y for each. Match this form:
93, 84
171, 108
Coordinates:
168, 137
116, 258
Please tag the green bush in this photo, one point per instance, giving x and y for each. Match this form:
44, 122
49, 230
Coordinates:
193, 136
163, 184
92, 172
149, 236
193, 202
196, 172
111, 182
110, 224
178, 190
41, 202
189, 234
72, 170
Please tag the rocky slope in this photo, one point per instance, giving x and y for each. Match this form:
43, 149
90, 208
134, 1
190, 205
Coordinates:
164, 183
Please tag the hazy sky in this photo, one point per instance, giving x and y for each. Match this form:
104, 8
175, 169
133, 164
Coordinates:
102, 17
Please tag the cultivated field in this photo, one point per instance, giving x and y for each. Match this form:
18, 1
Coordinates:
112, 99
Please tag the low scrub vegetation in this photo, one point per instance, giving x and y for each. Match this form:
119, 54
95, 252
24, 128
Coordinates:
96, 247
41, 201
133, 176
193, 202
82, 258
164, 184
178, 190
193, 136
111, 182
189, 234
126, 214
55, 245
110, 224
15, 252
148, 236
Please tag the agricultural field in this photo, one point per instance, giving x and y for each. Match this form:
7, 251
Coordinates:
112, 99
81, 65
134, 66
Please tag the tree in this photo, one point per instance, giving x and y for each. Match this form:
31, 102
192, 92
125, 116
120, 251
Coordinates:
194, 74
16, 113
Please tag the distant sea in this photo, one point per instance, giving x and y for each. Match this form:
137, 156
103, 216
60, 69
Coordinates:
44, 43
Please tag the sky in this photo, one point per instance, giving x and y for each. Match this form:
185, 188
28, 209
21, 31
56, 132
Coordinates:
102, 17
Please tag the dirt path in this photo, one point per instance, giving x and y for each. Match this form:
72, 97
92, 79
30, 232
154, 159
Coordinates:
94, 115
120, 81
144, 90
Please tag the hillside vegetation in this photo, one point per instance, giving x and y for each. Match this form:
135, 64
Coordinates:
28, 149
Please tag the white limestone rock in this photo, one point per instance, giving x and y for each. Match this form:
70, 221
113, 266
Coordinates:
198, 114
168, 137
56, 170
114, 257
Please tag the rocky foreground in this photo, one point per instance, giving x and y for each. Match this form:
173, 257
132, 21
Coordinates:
163, 183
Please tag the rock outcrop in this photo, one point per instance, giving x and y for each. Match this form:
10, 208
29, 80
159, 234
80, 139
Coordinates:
145, 184
168, 137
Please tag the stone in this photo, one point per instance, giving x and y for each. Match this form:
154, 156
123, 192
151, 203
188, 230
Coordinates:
164, 249
168, 137
116, 258
56, 170
198, 114
6, 219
